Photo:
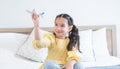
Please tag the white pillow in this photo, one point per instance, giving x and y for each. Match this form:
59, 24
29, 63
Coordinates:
28, 51
100, 44
86, 45
8, 41
20, 38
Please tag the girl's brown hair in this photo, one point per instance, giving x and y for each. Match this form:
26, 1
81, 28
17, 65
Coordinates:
73, 34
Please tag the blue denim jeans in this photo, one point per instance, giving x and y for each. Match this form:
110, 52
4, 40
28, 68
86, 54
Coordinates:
55, 65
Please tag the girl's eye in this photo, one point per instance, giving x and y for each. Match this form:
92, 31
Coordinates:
55, 24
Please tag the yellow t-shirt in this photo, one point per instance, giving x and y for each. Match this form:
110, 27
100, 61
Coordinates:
57, 49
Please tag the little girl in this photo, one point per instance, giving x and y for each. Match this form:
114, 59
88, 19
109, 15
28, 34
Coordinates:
62, 44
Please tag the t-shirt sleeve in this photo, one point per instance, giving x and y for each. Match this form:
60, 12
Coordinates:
72, 55
45, 41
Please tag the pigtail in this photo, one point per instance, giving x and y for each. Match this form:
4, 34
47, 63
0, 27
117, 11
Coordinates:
74, 38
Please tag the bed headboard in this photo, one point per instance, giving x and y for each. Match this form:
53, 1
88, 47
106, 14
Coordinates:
111, 34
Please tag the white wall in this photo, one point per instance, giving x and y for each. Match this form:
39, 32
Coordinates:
84, 12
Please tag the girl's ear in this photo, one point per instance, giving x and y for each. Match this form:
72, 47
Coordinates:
70, 28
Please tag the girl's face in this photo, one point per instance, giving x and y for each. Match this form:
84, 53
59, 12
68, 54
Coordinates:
61, 28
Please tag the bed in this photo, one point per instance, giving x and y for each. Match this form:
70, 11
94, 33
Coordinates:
9, 59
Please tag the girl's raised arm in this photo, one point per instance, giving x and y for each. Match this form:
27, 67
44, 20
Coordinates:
35, 18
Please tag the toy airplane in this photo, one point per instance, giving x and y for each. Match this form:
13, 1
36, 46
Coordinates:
31, 12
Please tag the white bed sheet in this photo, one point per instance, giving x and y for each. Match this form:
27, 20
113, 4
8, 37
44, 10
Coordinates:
104, 61
8, 60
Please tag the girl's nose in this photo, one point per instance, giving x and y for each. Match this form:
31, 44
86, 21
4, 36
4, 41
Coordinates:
58, 28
